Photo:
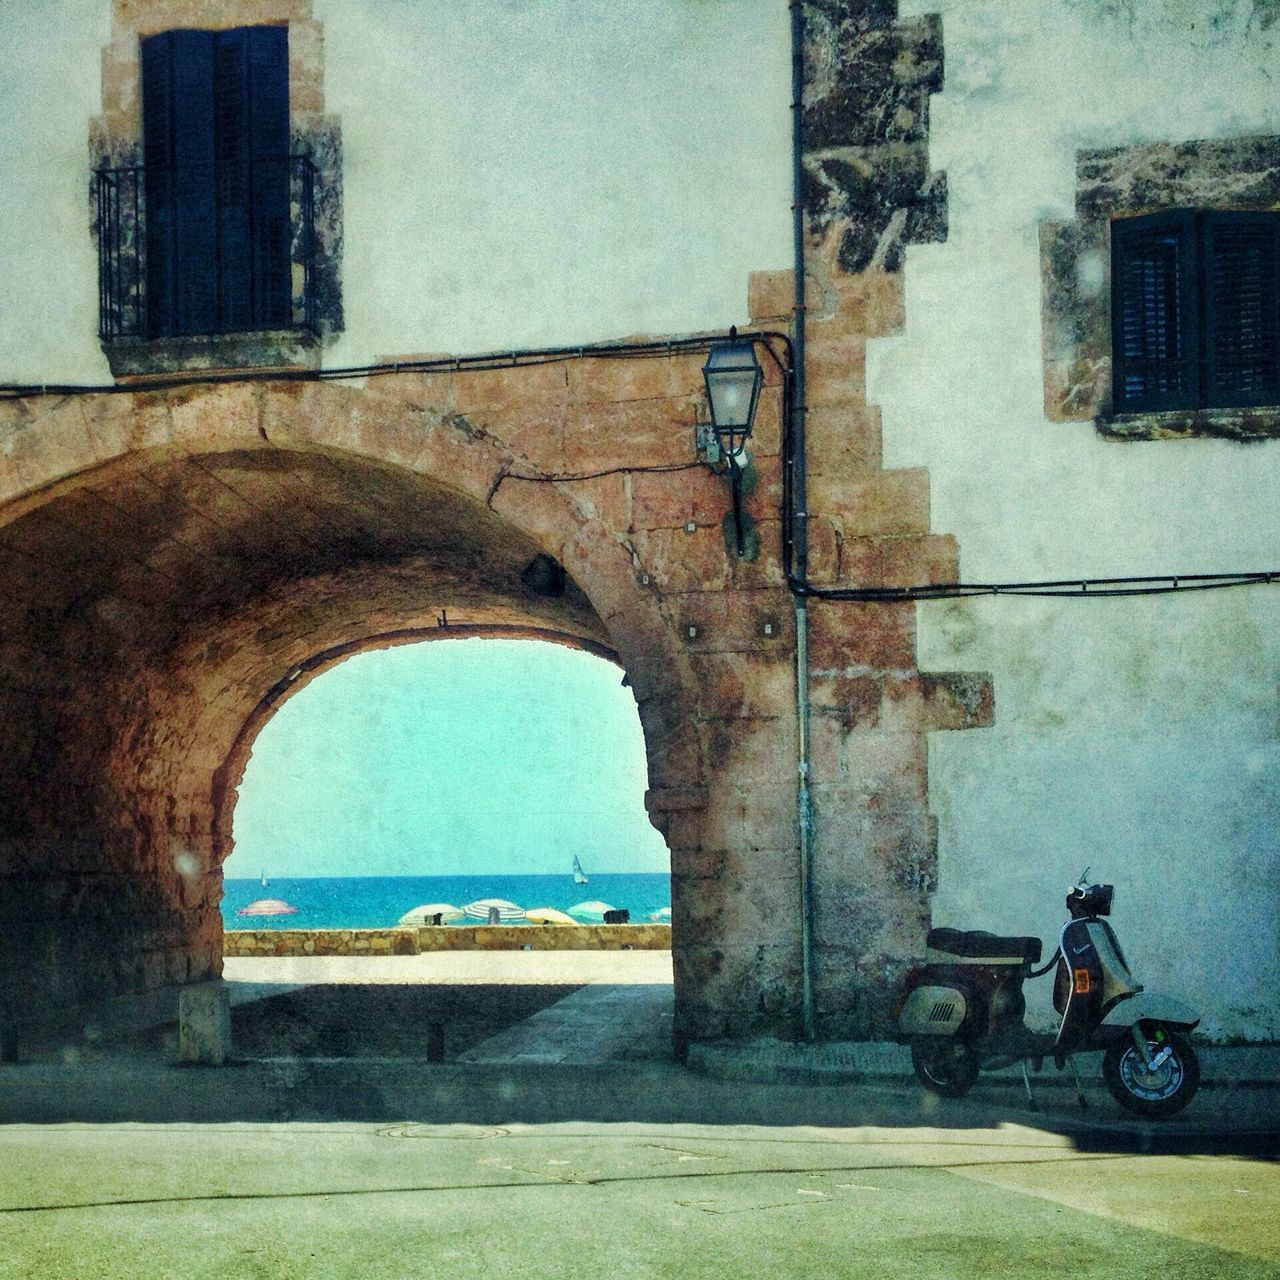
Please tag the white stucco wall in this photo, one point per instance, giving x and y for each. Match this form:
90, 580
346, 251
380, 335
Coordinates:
518, 173
1141, 735
50, 87
531, 173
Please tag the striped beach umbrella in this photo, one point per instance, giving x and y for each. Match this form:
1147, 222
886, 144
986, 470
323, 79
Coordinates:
268, 907
421, 915
508, 912
548, 915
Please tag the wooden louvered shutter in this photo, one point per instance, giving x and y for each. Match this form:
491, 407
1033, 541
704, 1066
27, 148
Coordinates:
1242, 308
216, 143
231, 126
1154, 313
251, 127
157, 153
267, 72
177, 86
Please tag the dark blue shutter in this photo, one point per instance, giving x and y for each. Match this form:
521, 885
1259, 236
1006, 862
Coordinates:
1154, 313
216, 143
178, 148
231, 148
157, 152
1242, 308
195, 226
267, 68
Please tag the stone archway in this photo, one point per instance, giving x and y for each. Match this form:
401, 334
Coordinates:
170, 558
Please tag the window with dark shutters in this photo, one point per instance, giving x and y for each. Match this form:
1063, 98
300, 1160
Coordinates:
216, 152
1194, 311
1241, 274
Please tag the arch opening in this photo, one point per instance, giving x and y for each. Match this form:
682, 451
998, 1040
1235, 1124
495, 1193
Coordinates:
418, 774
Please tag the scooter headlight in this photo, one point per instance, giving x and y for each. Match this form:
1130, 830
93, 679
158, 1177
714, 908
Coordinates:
1100, 896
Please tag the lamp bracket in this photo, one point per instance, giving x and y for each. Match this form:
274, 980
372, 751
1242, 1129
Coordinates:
707, 443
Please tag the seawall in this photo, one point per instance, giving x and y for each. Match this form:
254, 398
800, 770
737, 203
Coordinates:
414, 941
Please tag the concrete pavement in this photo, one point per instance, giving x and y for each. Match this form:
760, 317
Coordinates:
548, 968
602, 1022
571, 1145
587, 1200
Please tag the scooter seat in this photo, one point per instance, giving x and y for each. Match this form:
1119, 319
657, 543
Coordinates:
976, 944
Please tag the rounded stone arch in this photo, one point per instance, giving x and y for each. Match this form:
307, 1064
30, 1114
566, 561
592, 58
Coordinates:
171, 557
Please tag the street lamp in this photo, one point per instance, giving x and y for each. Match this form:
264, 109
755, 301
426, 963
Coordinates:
733, 376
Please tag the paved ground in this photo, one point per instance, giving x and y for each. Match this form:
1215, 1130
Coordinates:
536, 967
493, 1007
568, 1147
377, 1019
590, 1200
602, 1022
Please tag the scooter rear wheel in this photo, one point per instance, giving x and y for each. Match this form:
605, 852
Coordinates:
1159, 1092
944, 1066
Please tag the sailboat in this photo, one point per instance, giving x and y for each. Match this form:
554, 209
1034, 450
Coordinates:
579, 876
264, 877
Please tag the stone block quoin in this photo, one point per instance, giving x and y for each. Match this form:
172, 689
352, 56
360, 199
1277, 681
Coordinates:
868, 192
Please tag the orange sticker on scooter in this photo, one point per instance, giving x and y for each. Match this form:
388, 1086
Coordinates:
1081, 981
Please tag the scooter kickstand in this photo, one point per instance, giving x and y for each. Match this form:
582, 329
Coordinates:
1026, 1080
1080, 1098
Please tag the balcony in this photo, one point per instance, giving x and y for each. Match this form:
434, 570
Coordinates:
203, 265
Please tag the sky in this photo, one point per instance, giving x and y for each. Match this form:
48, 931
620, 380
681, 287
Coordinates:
450, 757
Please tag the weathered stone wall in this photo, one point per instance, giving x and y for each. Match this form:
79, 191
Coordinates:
454, 937
213, 539
870, 191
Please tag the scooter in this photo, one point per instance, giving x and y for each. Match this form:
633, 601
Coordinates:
963, 1010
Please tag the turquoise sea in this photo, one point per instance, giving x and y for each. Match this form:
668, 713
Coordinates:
375, 902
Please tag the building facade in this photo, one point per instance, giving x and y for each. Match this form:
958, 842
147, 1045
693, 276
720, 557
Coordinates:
256, 269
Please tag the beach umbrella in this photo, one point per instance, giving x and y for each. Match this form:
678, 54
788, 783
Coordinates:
593, 911
548, 915
267, 907
420, 915
508, 912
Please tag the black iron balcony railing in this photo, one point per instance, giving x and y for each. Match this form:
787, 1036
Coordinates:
206, 249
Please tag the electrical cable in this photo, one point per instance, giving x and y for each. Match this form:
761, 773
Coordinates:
484, 362
551, 478
1070, 589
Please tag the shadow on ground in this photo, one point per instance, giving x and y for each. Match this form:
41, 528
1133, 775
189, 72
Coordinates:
378, 1020
358, 1053
118, 1088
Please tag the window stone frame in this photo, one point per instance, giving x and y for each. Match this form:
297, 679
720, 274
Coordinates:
115, 139
1075, 267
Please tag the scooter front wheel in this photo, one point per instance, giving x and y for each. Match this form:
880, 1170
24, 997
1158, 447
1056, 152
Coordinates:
1161, 1089
944, 1066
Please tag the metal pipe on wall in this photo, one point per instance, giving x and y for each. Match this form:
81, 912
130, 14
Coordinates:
799, 517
